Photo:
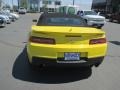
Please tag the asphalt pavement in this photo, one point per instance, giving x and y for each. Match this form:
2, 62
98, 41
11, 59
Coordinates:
15, 73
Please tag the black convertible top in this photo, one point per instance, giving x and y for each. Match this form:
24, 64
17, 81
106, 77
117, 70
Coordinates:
43, 20
59, 15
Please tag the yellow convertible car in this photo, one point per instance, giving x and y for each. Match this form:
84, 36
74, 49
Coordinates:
65, 40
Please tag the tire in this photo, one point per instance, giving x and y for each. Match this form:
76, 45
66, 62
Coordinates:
99, 27
86, 21
31, 65
98, 64
13, 20
3, 26
90, 66
118, 21
87, 67
110, 20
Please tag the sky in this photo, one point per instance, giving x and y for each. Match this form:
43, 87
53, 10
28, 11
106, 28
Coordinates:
83, 4
64, 2
77, 2
10, 2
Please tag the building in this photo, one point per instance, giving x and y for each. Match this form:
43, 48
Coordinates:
106, 6
33, 5
22, 3
102, 5
99, 5
0, 4
49, 5
115, 6
40, 5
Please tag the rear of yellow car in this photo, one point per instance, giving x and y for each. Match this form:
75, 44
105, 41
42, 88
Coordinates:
66, 46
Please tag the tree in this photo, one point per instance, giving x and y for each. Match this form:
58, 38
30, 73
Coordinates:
44, 7
7, 6
23, 3
0, 4
15, 7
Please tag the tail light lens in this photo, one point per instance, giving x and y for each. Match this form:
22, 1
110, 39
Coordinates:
97, 41
42, 40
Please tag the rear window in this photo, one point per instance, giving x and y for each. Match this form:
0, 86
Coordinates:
61, 21
90, 13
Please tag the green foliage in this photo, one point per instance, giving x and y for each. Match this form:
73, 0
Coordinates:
0, 3
23, 3
7, 6
44, 7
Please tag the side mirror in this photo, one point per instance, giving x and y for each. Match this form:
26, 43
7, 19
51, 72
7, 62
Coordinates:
34, 20
82, 14
98, 13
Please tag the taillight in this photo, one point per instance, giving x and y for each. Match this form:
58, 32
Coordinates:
97, 41
42, 40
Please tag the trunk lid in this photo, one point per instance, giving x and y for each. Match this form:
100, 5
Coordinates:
67, 35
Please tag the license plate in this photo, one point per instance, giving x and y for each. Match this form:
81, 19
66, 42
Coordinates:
71, 56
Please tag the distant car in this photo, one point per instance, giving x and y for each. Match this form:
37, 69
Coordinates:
115, 16
2, 22
8, 21
92, 18
59, 39
15, 15
6, 10
11, 17
22, 10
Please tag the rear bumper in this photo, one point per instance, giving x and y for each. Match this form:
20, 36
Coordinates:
96, 23
60, 62
22, 12
58, 51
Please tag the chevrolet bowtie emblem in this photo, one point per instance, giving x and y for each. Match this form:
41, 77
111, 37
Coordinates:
70, 30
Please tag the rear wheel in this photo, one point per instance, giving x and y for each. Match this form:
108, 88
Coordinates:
99, 27
98, 64
30, 64
86, 67
118, 21
86, 21
33, 65
13, 20
90, 66
111, 20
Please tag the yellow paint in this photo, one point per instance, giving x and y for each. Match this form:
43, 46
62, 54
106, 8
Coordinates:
68, 39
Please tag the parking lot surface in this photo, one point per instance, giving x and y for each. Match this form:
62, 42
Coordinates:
15, 73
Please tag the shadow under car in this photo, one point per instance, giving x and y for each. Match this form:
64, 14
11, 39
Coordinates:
115, 42
47, 75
